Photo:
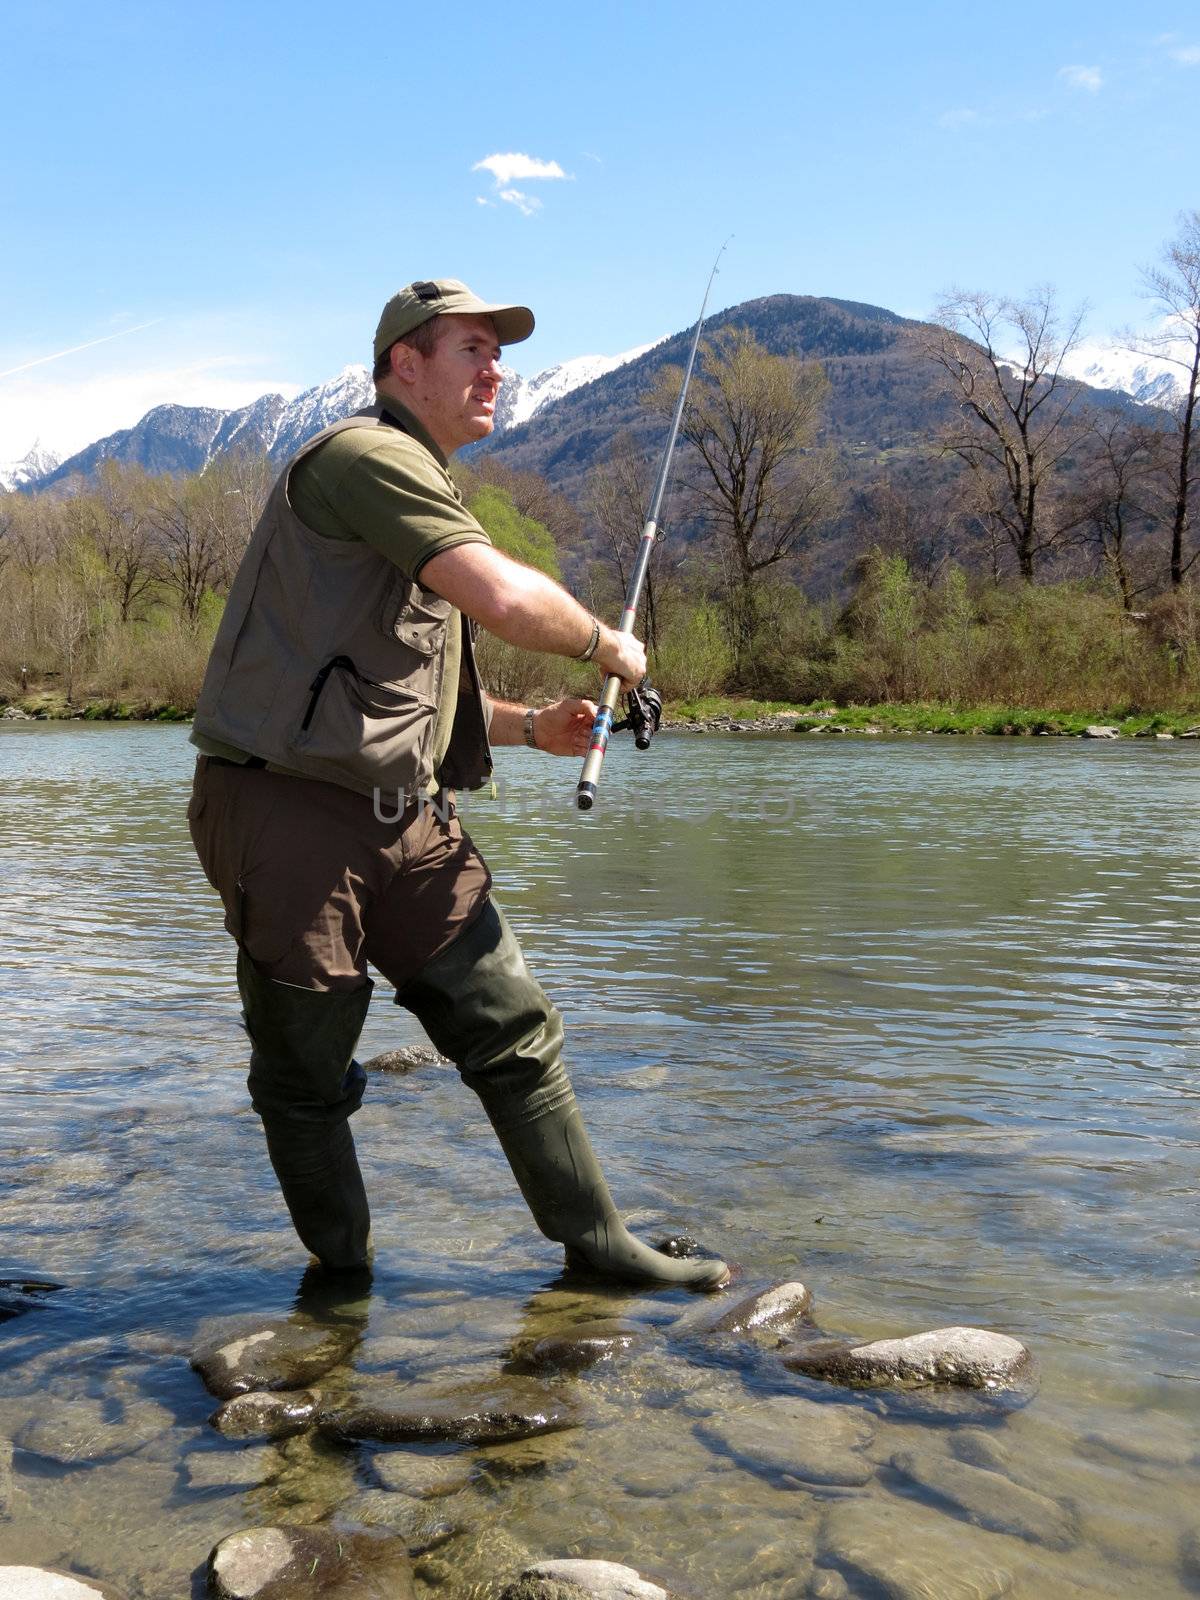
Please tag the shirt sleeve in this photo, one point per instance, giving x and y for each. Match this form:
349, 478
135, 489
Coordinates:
392, 494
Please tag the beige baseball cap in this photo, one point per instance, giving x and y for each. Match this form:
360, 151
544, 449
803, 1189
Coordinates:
418, 302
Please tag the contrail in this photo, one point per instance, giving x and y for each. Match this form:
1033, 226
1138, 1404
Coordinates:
58, 354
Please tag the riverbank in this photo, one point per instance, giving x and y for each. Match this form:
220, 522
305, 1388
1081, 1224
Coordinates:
770, 716
730, 715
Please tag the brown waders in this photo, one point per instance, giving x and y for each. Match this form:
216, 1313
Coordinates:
314, 886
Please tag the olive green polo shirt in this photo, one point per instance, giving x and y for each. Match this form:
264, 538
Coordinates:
393, 489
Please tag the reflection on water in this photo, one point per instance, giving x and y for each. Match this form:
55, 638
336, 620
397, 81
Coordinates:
913, 1020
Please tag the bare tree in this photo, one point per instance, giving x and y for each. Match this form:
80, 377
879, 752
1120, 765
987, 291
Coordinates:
115, 517
1002, 360
760, 486
1174, 287
923, 522
616, 498
191, 543
1115, 501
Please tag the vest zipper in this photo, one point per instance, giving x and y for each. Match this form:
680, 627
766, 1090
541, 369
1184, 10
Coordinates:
318, 683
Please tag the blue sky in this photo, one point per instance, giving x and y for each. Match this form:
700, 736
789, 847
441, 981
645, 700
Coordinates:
252, 181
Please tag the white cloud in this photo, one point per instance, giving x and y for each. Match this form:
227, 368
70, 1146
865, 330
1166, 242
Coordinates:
1187, 55
526, 204
1089, 78
506, 168
960, 118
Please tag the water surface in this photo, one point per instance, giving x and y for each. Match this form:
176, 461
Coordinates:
913, 1020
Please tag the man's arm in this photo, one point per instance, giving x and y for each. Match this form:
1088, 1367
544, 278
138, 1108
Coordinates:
563, 729
526, 608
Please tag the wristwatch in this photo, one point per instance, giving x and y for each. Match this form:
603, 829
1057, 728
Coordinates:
529, 738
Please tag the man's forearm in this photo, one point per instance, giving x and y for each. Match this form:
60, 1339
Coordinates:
508, 723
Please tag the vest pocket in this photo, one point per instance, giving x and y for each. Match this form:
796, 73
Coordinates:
376, 732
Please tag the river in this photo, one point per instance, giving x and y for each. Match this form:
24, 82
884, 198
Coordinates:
912, 1020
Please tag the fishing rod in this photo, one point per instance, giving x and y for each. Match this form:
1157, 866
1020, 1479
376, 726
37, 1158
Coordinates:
645, 705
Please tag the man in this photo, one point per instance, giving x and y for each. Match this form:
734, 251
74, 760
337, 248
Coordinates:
343, 672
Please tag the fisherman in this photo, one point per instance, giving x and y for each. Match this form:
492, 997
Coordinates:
343, 675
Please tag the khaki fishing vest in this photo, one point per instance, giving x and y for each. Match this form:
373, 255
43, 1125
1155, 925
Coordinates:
329, 660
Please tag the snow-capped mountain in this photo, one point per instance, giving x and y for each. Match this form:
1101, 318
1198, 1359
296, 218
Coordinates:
527, 396
1148, 379
187, 438
36, 464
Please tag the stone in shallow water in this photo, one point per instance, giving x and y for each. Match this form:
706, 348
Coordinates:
263, 1415
419, 1476
39, 1583
407, 1059
567, 1579
78, 1432
901, 1550
508, 1408
276, 1355
232, 1469
6, 1478
972, 1358
582, 1346
299, 1563
988, 1498
778, 1307
794, 1440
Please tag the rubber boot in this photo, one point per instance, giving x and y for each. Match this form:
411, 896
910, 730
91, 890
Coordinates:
481, 1006
304, 1085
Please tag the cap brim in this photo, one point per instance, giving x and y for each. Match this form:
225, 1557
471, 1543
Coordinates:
513, 323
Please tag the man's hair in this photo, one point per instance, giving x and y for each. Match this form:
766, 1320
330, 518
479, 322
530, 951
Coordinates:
423, 339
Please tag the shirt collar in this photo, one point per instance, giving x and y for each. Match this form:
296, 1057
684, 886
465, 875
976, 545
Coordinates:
413, 426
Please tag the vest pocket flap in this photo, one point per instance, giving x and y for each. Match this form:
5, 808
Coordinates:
376, 732
421, 619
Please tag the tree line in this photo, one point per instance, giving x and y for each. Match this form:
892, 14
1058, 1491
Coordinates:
1036, 551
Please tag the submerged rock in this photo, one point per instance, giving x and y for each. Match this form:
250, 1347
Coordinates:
570, 1579
509, 1408
40, 1583
797, 1441
421, 1477
263, 1415
6, 1478
988, 1498
299, 1563
580, 1347
232, 1469
276, 1355
79, 1432
407, 1059
771, 1309
18, 1295
972, 1358
903, 1551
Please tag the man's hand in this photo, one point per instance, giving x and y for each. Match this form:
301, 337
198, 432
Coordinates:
565, 728
622, 654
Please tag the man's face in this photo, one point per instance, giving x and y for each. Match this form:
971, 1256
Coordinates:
454, 390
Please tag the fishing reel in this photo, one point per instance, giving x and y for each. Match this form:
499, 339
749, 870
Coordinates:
643, 714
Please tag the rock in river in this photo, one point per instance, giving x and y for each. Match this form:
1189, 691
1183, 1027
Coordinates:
263, 1415
275, 1355
6, 1478
79, 1432
507, 1408
972, 1358
794, 1440
570, 1579
989, 1499
581, 1346
302, 1563
903, 1551
39, 1583
776, 1308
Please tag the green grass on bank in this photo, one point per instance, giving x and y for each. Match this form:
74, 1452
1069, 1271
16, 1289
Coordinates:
53, 706
922, 718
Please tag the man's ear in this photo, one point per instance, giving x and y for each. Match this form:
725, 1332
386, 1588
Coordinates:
402, 360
